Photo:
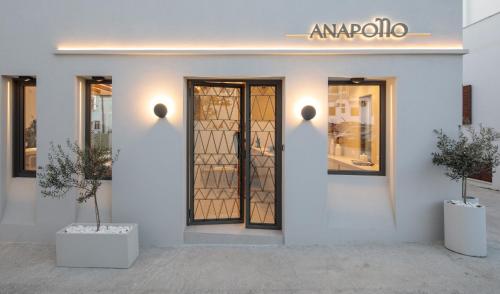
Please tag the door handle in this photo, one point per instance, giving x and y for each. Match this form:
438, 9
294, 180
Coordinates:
236, 142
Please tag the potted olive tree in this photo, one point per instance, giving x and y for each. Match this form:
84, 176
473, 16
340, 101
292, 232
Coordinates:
463, 157
85, 244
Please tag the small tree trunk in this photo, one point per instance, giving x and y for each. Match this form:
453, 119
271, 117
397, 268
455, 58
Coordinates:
464, 189
97, 217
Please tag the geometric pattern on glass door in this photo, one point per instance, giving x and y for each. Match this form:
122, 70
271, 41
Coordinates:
216, 160
262, 154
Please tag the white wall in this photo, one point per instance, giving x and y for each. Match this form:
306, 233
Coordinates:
481, 70
149, 180
476, 10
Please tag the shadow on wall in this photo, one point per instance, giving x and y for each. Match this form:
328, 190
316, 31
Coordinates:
148, 182
305, 182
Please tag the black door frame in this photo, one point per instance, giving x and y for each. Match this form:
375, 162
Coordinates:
190, 168
245, 106
277, 154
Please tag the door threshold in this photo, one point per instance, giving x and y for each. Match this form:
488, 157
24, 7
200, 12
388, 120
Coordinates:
231, 234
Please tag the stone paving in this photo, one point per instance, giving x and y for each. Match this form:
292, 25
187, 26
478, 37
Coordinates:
403, 268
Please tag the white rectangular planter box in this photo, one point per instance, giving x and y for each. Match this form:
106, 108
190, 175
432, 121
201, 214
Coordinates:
97, 249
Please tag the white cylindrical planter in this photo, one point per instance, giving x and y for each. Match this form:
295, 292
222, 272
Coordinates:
465, 228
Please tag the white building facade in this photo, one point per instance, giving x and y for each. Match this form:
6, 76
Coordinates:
481, 69
234, 147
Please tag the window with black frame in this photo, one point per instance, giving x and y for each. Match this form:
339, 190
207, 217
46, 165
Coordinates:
356, 127
99, 115
24, 127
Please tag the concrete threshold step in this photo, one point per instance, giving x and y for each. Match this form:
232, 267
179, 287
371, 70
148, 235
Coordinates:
231, 234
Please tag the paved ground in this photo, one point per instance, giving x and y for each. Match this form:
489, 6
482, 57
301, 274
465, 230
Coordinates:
491, 199
410, 268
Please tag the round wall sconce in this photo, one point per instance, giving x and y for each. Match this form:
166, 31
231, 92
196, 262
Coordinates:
308, 112
160, 110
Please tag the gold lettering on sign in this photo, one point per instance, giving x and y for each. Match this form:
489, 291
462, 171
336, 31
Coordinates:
381, 27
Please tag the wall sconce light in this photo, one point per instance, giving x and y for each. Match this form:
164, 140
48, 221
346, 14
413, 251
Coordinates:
308, 112
357, 80
160, 110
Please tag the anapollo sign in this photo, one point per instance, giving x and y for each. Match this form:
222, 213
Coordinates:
379, 28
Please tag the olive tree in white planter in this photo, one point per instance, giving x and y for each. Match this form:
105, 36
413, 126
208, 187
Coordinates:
85, 244
463, 157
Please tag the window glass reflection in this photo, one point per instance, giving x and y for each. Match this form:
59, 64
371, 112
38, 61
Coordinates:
29, 128
354, 127
101, 117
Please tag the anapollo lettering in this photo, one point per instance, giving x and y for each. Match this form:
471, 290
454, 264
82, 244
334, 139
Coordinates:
379, 28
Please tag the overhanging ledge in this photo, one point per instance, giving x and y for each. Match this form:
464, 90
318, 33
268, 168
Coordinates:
260, 51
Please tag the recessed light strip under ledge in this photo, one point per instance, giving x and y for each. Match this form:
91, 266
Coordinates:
423, 50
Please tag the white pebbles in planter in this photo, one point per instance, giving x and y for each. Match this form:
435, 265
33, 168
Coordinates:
92, 229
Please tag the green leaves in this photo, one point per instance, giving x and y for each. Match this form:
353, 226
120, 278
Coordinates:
79, 168
468, 154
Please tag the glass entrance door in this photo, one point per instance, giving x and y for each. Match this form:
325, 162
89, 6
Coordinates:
263, 157
234, 153
216, 153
